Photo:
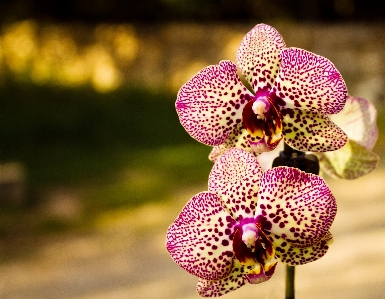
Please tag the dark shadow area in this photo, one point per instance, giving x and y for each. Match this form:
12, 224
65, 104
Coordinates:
199, 10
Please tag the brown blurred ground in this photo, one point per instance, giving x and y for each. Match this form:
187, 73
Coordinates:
125, 256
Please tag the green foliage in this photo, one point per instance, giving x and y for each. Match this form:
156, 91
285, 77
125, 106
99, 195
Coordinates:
67, 135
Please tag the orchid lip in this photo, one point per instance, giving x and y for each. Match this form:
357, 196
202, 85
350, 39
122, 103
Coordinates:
251, 246
263, 121
262, 273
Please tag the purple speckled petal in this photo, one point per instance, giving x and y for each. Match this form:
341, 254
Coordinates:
358, 119
299, 205
238, 138
199, 239
258, 57
349, 162
310, 131
216, 288
235, 178
291, 255
210, 104
309, 81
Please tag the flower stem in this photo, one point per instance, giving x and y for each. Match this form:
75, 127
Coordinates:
294, 158
290, 276
305, 162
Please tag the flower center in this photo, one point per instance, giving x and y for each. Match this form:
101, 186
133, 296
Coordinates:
251, 245
254, 250
263, 122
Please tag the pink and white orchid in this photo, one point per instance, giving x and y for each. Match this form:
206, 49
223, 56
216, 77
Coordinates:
355, 159
294, 92
248, 221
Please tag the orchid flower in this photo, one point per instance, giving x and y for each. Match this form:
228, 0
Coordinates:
294, 92
248, 221
358, 119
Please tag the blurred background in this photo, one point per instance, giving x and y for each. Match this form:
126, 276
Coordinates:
94, 164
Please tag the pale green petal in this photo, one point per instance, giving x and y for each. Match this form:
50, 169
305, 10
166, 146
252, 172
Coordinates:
349, 162
358, 120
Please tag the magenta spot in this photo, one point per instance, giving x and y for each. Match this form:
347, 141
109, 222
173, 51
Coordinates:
225, 242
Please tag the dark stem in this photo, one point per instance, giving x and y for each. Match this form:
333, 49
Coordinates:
294, 158
290, 275
305, 162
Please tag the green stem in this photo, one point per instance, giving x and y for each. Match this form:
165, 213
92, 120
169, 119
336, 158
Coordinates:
290, 275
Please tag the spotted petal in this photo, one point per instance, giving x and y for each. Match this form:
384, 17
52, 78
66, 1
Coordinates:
235, 177
309, 131
309, 81
210, 104
216, 288
238, 138
258, 56
291, 255
299, 205
199, 239
349, 162
358, 119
